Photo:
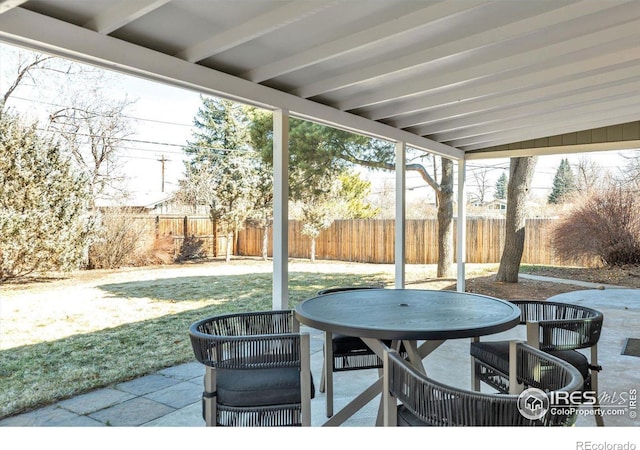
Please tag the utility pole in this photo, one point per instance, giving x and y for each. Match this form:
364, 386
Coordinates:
162, 161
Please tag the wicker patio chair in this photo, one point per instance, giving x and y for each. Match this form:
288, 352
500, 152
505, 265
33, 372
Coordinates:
348, 353
560, 329
257, 369
427, 402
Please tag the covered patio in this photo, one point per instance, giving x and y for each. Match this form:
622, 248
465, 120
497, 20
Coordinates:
465, 80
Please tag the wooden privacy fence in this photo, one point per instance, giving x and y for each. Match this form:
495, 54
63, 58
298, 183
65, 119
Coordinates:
197, 228
369, 241
373, 241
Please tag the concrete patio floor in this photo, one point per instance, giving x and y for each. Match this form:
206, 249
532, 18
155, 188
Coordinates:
171, 397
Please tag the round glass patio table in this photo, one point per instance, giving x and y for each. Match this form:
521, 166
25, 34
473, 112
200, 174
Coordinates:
407, 315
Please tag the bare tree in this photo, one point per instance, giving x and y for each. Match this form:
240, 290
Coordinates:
22, 69
589, 175
481, 178
94, 127
631, 174
520, 176
91, 123
384, 199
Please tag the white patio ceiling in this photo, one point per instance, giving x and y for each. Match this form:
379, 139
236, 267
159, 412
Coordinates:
463, 78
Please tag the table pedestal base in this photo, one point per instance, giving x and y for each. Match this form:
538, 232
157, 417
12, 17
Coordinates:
416, 355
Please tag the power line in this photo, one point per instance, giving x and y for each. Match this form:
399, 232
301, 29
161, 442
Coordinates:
142, 119
142, 141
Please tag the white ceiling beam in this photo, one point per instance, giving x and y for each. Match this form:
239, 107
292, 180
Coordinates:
564, 123
477, 122
552, 150
6, 5
429, 55
252, 29
440, 118
498, 85
121, 14
609, 39
42, 33
567, 113
534, 132
358, 41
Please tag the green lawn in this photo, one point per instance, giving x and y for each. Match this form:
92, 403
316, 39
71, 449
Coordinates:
51, 368
62, 337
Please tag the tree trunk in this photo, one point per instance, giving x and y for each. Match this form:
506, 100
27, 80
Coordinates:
444, 202
236, 234
520, 176
445, 220
265, 242
229, 246
215, 237
313, 249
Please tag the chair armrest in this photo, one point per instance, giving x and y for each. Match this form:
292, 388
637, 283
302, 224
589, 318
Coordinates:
243, 352
564, 334
247, 323
555, 326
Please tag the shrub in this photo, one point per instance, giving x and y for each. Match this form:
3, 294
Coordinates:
606, 225
120, 240
43, 204
127, 239
192, 248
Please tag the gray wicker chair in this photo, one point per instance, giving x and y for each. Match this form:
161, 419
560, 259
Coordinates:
348, 353
560, 329
257, 369
427, 402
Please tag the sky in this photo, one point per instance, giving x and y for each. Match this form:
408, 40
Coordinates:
164, 124
163, 117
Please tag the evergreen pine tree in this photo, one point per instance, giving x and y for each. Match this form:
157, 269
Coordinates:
43, 203
222, 170
501, 187
564, 183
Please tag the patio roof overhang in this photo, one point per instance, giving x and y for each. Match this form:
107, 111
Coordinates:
465, 79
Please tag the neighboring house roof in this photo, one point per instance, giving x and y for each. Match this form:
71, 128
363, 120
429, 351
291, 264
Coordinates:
139, 200
496, 204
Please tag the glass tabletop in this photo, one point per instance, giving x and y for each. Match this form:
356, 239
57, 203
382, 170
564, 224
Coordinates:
409, 314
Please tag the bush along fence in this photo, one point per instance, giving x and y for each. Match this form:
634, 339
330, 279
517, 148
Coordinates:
368, 241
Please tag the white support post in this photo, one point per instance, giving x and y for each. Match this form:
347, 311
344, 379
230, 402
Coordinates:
400, 257
462, 225
280, 209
